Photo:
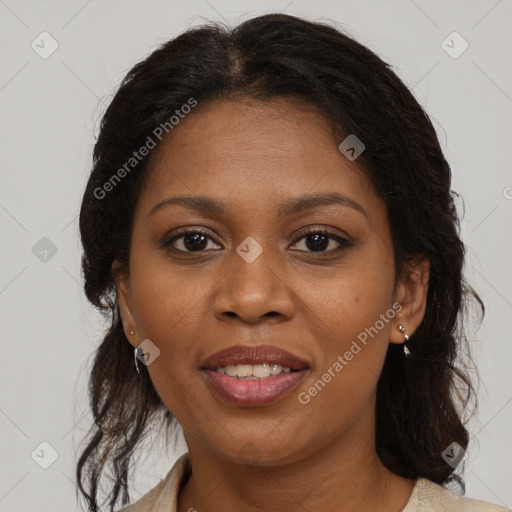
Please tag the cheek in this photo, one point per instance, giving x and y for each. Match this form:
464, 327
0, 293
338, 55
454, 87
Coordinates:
353, 350
163, 295
167, 315
355, 296
354, 314
167, 306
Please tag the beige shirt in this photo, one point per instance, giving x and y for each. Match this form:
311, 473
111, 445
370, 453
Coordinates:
426, 496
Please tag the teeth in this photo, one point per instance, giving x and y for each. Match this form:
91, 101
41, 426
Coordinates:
276, 369
243, 370
262, 371
231, 371
253, 371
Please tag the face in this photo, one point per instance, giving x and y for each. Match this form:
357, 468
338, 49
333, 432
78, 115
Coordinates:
295, 254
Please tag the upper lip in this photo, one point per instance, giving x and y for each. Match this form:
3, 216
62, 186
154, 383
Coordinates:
242, 354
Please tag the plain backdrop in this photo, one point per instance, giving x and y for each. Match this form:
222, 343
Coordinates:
50, 107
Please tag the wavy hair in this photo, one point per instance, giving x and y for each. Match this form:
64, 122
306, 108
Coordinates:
421, 400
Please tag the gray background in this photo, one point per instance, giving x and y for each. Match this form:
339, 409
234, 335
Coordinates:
50, 109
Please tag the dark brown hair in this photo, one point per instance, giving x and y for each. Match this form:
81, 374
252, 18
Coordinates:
420, 399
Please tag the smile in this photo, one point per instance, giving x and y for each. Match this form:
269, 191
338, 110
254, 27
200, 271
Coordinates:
251, 376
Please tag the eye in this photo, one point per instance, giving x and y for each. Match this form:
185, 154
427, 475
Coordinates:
189, 240
315, 240
318, 240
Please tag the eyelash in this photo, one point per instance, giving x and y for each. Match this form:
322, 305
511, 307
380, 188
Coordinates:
344, 243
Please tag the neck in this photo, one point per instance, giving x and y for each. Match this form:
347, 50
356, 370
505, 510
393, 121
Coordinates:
347, 472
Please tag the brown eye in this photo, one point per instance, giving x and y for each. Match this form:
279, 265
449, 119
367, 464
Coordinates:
189, 241
323, 241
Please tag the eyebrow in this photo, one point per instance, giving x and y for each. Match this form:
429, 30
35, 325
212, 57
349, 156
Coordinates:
293, 206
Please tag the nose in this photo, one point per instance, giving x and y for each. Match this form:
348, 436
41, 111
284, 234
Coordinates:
253, 291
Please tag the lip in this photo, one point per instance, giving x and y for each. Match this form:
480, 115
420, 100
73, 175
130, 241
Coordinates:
241, 354
253, 393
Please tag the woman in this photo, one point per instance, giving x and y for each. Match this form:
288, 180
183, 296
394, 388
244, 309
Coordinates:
270, 226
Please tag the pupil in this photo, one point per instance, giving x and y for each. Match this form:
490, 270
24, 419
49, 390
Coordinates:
196, 237
320, 241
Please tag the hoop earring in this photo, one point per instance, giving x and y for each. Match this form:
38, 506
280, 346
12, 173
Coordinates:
135, 351
407, 352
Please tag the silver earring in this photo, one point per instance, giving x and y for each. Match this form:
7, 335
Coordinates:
135, 351
135, 357
407, 352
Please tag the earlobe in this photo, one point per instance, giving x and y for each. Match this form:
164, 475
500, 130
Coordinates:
411, 292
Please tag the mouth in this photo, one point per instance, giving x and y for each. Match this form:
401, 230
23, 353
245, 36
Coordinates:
254, 376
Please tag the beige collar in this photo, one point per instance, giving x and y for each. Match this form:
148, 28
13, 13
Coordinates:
426, 495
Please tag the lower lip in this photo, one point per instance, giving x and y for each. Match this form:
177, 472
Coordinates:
251, 393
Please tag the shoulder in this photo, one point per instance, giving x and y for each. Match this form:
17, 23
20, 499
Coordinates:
165, 493
431, 497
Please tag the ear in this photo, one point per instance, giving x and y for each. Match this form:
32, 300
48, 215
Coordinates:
124, 301
411, 292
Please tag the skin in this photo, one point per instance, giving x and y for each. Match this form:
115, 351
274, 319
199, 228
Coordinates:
253, 157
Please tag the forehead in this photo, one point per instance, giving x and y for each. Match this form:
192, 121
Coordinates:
252, 154
228, 131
